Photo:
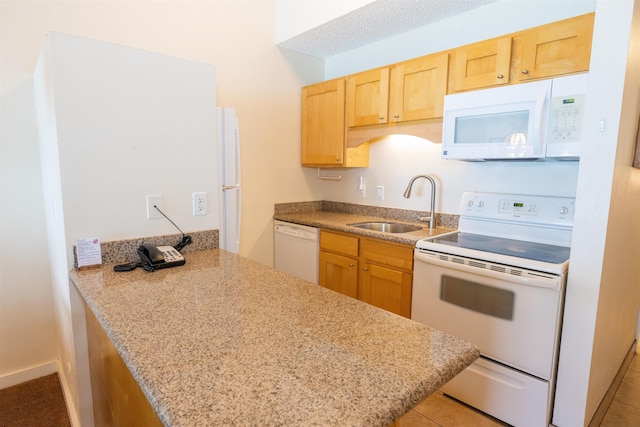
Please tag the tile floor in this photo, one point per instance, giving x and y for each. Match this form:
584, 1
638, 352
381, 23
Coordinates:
439, 410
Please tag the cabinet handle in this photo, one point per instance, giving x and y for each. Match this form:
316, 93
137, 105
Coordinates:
337, 159
365, 269
525, 71
500, 76
351, 265
396, 116
381, 118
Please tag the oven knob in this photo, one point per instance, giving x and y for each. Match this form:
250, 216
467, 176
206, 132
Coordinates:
480, 204
470, 203
563, 210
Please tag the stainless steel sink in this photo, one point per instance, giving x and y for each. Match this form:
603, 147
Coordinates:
387, 227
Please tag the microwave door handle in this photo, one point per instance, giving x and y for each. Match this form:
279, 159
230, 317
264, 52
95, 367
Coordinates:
540, 108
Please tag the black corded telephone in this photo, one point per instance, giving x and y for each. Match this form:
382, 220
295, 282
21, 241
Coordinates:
154, 257
157, 257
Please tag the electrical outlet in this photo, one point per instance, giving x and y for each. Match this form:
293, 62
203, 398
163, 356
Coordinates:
154, 200
199, 204
380, 192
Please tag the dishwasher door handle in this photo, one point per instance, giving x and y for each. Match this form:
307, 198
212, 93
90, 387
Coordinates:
296, 232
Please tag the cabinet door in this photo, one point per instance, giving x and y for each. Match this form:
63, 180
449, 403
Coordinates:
482, 64
323, 130
386, 288
554, 49
418, 88
368, 97
118, 400
339, 273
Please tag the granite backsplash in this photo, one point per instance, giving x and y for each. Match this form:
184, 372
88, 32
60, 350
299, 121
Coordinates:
121, 251
442, 220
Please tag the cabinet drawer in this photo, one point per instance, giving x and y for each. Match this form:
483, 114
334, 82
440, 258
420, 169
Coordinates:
347, 245
390, 254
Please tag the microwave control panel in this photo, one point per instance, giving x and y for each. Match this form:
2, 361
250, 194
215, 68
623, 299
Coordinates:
565, 124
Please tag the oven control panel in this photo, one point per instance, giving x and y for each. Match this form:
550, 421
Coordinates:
532, 209
518, 207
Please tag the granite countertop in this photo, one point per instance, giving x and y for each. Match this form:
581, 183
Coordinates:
340, 221
225, 340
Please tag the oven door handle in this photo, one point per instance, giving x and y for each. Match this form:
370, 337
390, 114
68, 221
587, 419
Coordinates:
540, 280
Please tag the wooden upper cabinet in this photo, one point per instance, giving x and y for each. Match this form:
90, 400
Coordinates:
551, 50
368, 97
418, 87
323, 131
408, 91
483, 64
554, 49
340, 117
323, 128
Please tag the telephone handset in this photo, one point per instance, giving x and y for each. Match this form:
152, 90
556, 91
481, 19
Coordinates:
157, 257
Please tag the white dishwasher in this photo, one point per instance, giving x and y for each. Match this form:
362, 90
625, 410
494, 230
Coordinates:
297, 250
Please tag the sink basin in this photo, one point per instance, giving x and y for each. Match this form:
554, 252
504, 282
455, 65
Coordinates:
387, 227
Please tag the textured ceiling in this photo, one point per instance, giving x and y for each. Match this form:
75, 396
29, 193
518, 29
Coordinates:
375, 21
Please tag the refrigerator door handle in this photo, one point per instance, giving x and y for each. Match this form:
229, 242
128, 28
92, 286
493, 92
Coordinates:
237, 150
231, 194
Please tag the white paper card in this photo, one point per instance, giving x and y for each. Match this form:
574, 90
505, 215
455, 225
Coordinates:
88, 252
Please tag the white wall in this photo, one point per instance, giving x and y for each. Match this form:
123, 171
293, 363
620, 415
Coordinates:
253, 76
604, 283
26, 295
132, 123
117, 124
395, 159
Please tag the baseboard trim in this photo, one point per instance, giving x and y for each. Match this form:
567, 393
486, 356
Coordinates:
613, 388
72, 410
28, 374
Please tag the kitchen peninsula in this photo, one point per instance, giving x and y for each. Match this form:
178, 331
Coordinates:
224, 340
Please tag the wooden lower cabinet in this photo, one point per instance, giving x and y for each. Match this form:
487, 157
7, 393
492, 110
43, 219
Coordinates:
339, 273
386, 288
117, 397
371, 270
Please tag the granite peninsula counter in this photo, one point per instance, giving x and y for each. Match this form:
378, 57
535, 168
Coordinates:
224, 340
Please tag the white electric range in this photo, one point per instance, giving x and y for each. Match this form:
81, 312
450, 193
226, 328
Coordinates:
499, 282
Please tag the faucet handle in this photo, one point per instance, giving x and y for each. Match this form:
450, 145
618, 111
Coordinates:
424, 219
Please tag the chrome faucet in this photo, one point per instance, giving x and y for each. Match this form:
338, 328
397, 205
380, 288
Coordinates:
407, 194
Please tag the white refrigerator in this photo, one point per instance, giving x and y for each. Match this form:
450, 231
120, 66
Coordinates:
229, 175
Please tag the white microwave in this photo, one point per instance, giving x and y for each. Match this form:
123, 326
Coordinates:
529, 121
